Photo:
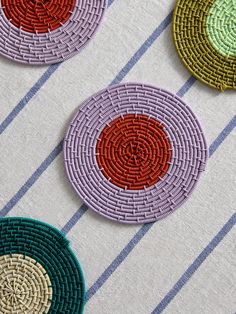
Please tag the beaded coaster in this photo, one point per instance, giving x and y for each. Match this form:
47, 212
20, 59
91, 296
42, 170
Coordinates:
38, 271
47, 31
134, 152
205, 38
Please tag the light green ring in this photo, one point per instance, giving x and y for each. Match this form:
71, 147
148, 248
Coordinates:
221, 27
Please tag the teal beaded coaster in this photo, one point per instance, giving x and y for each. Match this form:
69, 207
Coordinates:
38, 271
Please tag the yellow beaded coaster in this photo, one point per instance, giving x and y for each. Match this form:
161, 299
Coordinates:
205, 38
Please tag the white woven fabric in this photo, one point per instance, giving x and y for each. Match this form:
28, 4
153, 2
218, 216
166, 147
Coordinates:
182, 264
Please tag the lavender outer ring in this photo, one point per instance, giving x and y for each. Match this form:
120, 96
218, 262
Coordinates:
189, 153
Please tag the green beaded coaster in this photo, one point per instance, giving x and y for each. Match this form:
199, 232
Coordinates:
205, 38
38, 271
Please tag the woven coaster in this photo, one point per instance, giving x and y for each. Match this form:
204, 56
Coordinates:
134, 153
47, 31
205, 38
38, 271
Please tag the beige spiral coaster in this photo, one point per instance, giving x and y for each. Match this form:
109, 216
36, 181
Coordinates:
25, 287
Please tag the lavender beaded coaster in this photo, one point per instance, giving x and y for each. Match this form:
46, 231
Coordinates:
47, 31
134, 153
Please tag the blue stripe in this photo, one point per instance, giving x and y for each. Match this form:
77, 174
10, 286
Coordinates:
141, 51
195, 265
110, 3
28, 184
117, 261
144, 229
74, 219
15, 199
24, 101
185, 88
32, 92
222, 136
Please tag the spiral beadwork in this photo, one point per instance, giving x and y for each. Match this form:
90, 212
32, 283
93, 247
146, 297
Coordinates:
24, 285
205, 35
38, 16
134, 152
47, 31
38, 271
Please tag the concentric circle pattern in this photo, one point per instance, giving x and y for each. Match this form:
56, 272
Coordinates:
38, 16
97, 142
38, 270
24, 285
47, 31
204, 34
133, 152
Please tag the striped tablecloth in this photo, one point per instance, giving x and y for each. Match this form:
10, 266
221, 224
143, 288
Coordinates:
182, 264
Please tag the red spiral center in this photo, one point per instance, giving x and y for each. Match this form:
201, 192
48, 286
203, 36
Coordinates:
133, 152
38, 16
